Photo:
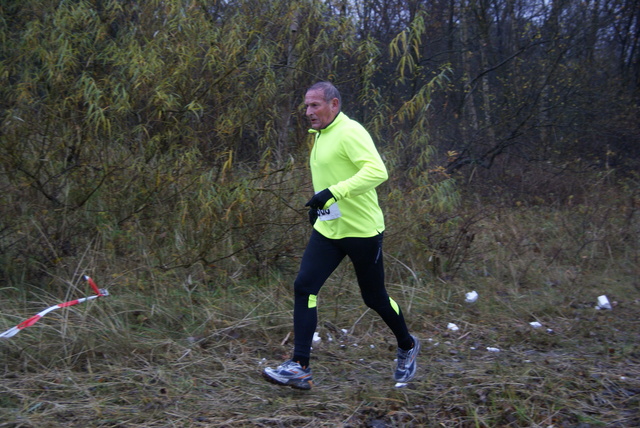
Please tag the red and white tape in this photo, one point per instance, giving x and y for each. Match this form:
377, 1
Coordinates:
34, 319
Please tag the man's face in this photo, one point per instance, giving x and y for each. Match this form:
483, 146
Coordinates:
320, 112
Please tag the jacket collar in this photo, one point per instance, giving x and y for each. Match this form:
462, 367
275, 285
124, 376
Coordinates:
339, 118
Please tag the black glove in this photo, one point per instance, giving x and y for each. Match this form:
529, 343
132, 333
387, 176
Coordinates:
319, 200
313, 216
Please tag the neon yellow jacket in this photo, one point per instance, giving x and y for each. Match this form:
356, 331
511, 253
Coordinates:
345, 160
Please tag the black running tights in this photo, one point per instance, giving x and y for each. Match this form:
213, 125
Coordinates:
321, 257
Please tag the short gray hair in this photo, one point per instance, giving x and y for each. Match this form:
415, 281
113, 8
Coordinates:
328, 90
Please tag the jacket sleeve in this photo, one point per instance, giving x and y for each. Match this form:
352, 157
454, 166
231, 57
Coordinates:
369, 169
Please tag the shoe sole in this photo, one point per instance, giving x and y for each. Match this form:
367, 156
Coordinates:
293, 383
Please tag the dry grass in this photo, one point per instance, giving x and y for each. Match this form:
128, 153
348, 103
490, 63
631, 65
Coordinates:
583, 373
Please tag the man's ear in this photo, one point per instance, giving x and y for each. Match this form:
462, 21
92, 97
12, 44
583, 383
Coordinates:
335, 104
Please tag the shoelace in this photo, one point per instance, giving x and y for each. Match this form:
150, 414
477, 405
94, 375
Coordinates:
402, 357
289, 365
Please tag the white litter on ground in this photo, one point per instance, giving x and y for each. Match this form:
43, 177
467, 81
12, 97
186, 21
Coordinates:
603, 302
471, 296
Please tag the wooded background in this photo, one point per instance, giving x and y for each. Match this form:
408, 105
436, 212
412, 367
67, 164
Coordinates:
172, 133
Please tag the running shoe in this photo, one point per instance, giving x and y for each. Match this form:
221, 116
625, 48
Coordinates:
407, 365
290, 373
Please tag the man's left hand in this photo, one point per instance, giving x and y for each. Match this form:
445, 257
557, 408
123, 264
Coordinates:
319, 200
313, 216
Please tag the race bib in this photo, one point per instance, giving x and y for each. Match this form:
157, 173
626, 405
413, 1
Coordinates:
332, 212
